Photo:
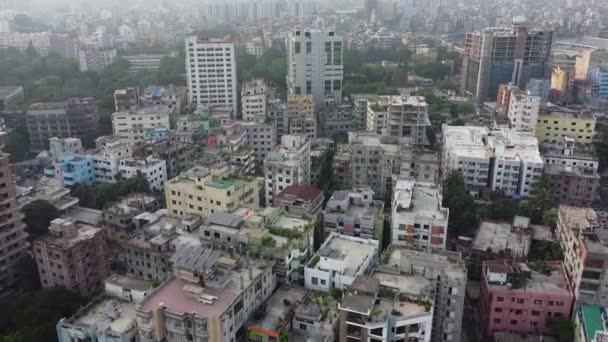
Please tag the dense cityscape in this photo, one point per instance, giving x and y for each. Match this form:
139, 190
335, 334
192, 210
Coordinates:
304, 170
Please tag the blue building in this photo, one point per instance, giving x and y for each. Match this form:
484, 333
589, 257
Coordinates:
73, 169
158, 134
600, 75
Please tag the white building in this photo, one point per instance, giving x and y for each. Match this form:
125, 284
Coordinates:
211, 72
418, 220
255, 47
314, 59
61, 146
261, 137
154, 170
254, 100
339, 261
134, 125
496, 160
110, 150
289, 164
523, 111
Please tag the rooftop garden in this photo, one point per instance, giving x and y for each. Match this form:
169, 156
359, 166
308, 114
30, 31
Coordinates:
404, 297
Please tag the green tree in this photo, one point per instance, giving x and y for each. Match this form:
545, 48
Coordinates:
545, 250
464, 213
17, 145
38, 216
562, 329
33, 317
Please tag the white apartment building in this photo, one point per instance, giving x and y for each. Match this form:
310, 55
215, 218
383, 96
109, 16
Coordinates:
110, 150
255, 47
495, 160
254, 100
399, 116
418, 220
314, 59
339, 261
61, 146
523, 111
211, 72
261, 137
134, 125
154, 170
289, 164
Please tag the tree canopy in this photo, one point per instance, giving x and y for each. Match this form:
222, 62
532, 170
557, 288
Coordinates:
33, 317
97, 196
38, 216
464, 212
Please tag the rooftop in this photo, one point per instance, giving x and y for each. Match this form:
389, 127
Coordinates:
495, 237
65, 234
352, 251
159, 109
398, 258
553, 281
133, 203
127, 282
108, 314
358, 202
278, 307
418, 198
303, 192
577, 218
8, 90
591, 319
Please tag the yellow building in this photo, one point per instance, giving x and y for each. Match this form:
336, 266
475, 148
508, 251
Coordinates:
559, 79
203, 191
300, 105
557, 122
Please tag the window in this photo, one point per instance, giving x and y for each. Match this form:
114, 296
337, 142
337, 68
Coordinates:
315, 281
297, 47
500, 299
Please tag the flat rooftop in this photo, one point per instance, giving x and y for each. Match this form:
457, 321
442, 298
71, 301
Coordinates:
418, 198
173, 294
450, 262
577, 218
129, 282
498, 236
109, 314
352, 251
278, 306
553, 282
84, 215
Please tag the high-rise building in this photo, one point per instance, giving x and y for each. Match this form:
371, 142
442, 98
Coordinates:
314, 59
254, 100
211, 72
13, 239
523, 111
399, 116
512, 54
289, 164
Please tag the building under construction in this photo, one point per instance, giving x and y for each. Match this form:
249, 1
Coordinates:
495, 56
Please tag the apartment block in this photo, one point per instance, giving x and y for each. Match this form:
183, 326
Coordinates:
204, 191
585, 248
572, 173
399, 116
72, 169
75, 118
339, 260
210, 297
385, 307
154, 170
498, 240
523, 111
516, 297
496, 160
300, 118
271, 232
73, 255
261, 137
504, 55
418, 219
354, 213
315, 65
301, 200
103, 319
13, 238
177, 152
62, 146
156, 236
211, 72
336, 119
254, 100
119, 215
555, 123
109, 150
135, 125
289, 164
442, 273
126, 99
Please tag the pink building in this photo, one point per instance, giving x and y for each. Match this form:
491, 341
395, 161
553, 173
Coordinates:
75, 256
13, 238
516, 298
